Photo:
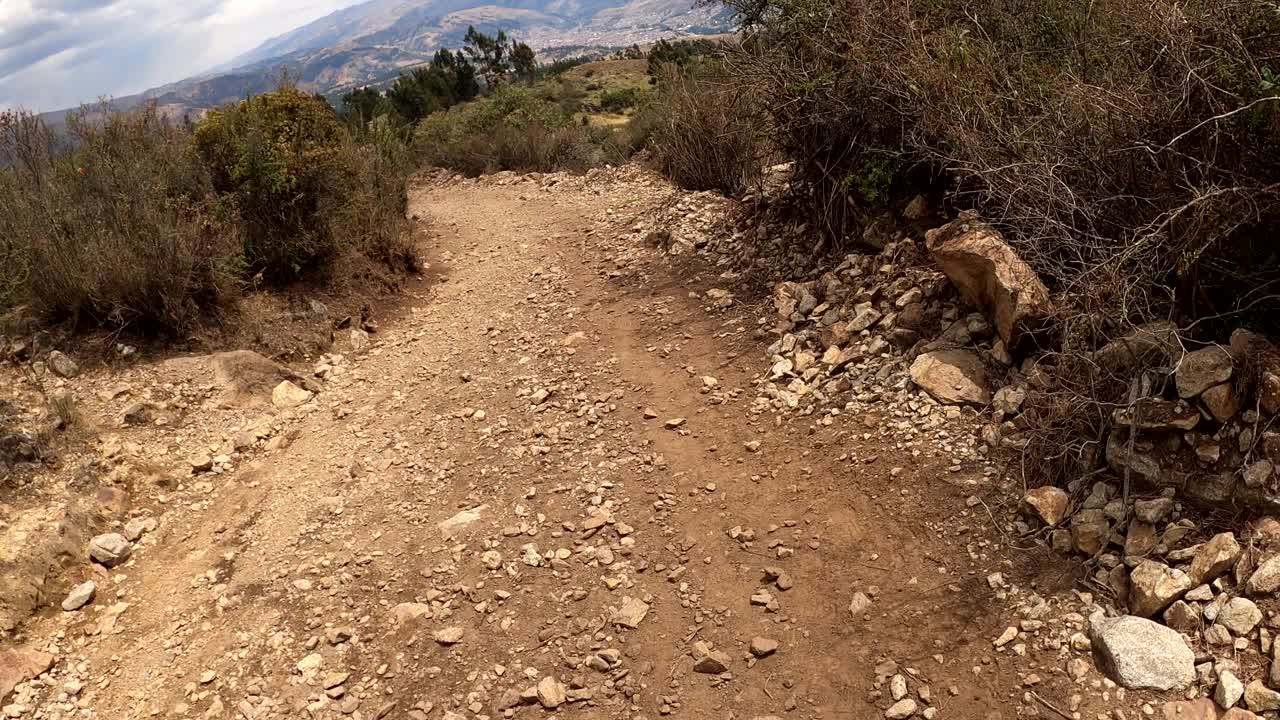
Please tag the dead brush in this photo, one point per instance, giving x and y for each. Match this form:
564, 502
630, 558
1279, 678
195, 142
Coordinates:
1129, 150
122, 229
1092, 135
705, 133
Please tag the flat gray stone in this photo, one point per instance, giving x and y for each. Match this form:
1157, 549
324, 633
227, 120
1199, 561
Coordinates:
79, 596
110, 549
1142, 655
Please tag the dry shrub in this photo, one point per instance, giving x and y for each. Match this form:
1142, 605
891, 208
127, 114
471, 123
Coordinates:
704, 131
518, 128
1130, 149
131, 220
122, 229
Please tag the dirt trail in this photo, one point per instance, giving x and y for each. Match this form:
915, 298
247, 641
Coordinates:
315, 581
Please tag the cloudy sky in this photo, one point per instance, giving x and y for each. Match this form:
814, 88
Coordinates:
60, 53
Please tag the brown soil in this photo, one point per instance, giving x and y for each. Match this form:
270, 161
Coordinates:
248, 571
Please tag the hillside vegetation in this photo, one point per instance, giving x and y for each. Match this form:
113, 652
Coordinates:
134, 221
130, 220
1129, 149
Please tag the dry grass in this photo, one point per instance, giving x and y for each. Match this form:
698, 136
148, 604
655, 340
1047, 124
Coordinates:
703, 132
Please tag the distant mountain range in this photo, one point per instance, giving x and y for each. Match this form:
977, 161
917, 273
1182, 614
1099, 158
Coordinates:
373, 42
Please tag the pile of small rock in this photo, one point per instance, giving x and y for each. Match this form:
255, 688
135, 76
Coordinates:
1207, 434
897, 320
1205, 594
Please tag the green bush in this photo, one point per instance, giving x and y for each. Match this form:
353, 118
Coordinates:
517, 128
122, 230
133, 221
305, 192
619, 100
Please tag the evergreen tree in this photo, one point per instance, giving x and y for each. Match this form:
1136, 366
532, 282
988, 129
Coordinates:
523, 62
489, 53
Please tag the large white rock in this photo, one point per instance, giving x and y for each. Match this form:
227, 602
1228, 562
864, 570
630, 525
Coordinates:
287, 395
954, 377
990, 275
1141, 654
110, 549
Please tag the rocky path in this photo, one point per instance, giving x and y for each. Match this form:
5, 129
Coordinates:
546, 491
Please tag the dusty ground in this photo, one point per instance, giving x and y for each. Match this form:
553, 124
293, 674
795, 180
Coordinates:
532, 380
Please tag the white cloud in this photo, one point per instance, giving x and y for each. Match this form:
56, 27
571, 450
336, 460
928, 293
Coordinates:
59, 53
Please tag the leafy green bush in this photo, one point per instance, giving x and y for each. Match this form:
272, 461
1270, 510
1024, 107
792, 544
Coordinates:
680, 53
619, 100
304, 191
124, 229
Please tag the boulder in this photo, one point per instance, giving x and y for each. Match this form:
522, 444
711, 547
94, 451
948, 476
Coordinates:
1200, 370
1220, 402
19, 666
1153, 511
1157, 414
901, 710
110, 549
287, 395
79, 596
1090, 531
952, 377
551, 693
1240, 616
709, 661
1214, 558
1260, 698
407, 612
1229, 690
1182, 617
1008, 400
1048, 503
61, 365
991, 276
1269, 392
1153, 586
865, 315
1140, 540
631, 613
450, 526
451, 635
1257, 474
246, 379
1142, 655
1266, 578
1146, 345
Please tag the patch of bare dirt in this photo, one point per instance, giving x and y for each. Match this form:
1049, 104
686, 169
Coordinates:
547, 489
